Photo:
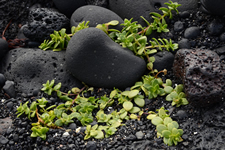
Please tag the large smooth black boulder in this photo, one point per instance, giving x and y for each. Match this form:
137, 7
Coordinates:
43, 22
202, 74
95, 59
215, 7
95, 14
67, 7
30, 68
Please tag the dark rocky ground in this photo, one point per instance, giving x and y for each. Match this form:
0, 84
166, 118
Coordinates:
204, 128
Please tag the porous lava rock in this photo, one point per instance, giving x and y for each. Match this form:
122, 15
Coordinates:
69, 6
3, 48
95, 59
202, 75
30, 68
134, 9
95, 14
43, 22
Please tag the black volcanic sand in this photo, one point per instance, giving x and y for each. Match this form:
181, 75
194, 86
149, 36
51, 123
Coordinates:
204, 128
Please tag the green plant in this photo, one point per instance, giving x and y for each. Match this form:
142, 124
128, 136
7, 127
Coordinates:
134, 37
166, 127
59, 40
177, 96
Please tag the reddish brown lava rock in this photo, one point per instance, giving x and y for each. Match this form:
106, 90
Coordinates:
202, 74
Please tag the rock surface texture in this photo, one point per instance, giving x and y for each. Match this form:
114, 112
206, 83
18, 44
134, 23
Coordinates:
202, 75
95, 59
134, 9
95, 14
69, 6
43, 22
30, 68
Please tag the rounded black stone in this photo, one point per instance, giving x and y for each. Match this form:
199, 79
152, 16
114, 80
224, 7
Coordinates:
191, 32
95, 59
178, 26
69, 6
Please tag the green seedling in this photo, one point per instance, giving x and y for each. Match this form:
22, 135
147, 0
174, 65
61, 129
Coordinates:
166, 127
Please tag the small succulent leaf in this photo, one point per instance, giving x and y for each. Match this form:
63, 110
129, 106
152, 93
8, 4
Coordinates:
135, 110
168, 98
170, 126
184, 101
133, 93
125, 93
167, 120
133, 116
59, 122
139, 101
162, 113
57, 87
168, 82
113, 94
157, 120
127, 105
100, 135
166, 133
180, 131
160, 128
175, 124
33, 106
150, 117
179, 88
168, 89
113, 22
123, 115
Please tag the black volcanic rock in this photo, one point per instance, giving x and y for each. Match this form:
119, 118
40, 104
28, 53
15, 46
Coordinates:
134, 9
95, 14
95, 59
191, 32
30, 68
202, 75
163, 60
43, 22
215, 7
3, 48
69, 6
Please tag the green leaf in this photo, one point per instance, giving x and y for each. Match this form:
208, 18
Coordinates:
139, 101
151, 116
100, 135
133, 116
167, 120
166, 133
59, 122
133, 93
127, 105
157, 120
113, 22
57, 87
135, 110
168, 89
155, 14
160, 128
113, 94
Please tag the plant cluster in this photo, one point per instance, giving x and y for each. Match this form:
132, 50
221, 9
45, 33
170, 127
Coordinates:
166, 127
134, 37
81, 108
